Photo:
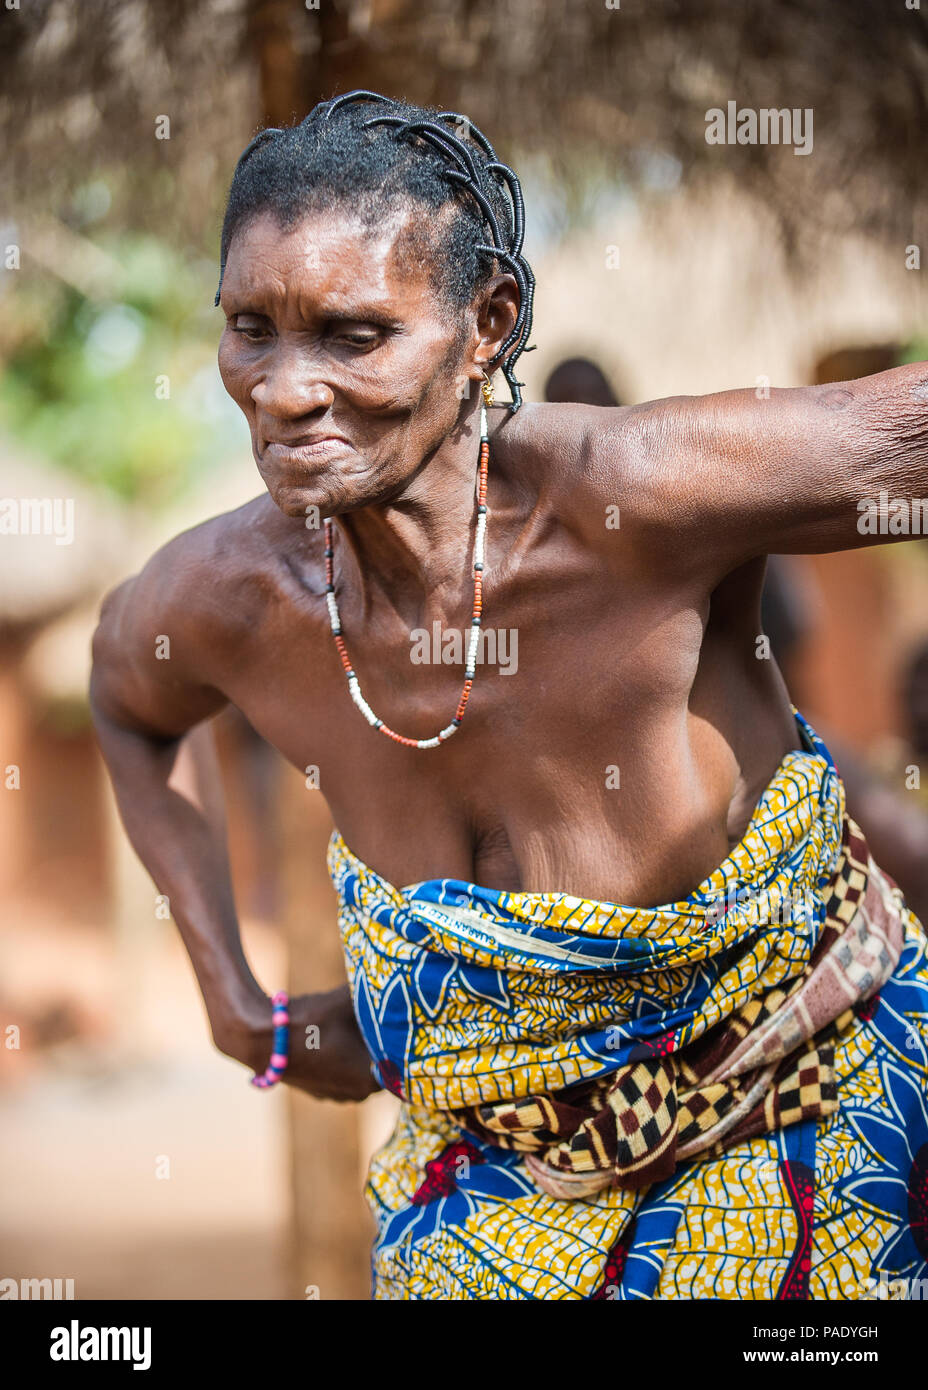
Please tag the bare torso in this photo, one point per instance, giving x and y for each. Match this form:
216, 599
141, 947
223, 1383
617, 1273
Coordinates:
631, 671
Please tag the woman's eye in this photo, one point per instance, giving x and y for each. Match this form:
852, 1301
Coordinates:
253, 330
358, 337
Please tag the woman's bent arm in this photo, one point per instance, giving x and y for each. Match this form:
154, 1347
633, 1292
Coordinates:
162, 762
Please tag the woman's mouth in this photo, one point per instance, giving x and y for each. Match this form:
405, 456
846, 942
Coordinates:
307, 449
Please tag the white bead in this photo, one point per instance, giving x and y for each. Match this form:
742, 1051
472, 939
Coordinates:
360, 701
479, 538
333, 610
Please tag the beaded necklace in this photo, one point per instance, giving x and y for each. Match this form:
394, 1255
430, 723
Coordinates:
474, 638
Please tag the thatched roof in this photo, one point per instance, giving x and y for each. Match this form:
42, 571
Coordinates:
49, 593
566, 84
60, 542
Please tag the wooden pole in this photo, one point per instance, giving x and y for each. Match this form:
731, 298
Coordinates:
280, 69
332, 1230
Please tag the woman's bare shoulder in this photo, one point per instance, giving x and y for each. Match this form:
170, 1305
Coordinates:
215, 576
589, 458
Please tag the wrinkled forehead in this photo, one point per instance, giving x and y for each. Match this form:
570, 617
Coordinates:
333, 257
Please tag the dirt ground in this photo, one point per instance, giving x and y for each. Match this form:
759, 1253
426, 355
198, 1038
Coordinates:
134, 1158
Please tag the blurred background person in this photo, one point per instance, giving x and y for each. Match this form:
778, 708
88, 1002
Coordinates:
885, 784
580, 380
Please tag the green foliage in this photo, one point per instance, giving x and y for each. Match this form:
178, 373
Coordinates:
124, 390
915, 351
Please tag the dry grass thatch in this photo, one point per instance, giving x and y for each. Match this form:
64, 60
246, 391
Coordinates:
573, 83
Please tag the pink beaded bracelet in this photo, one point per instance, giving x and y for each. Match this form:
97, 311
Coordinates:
280, 1018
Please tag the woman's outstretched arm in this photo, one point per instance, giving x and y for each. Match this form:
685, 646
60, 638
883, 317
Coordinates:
717, 480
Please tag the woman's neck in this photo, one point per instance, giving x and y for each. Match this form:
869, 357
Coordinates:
417, 546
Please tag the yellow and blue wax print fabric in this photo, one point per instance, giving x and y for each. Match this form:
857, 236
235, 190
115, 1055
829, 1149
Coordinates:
468, 996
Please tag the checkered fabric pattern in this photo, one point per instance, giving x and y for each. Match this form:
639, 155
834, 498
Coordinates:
635, 1125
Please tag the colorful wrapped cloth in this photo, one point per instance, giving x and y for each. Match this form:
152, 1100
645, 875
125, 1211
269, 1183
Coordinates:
724, 1097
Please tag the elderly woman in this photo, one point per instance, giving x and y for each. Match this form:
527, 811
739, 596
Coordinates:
658, 1022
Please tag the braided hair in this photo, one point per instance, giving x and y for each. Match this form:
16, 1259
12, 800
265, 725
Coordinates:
366, 150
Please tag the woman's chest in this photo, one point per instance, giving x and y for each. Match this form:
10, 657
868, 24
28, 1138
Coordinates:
576, 766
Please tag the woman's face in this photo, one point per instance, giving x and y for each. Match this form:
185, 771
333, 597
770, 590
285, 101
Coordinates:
348, 365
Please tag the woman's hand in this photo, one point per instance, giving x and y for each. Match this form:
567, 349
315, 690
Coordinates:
327, 1055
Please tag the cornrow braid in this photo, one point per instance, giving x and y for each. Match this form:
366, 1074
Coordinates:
337, 153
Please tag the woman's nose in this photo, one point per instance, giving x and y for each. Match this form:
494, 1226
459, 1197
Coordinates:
291, 387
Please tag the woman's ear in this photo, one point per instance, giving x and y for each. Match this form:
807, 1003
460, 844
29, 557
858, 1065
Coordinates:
497, 312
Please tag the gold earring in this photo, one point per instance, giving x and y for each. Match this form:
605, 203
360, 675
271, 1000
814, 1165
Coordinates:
486, 387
